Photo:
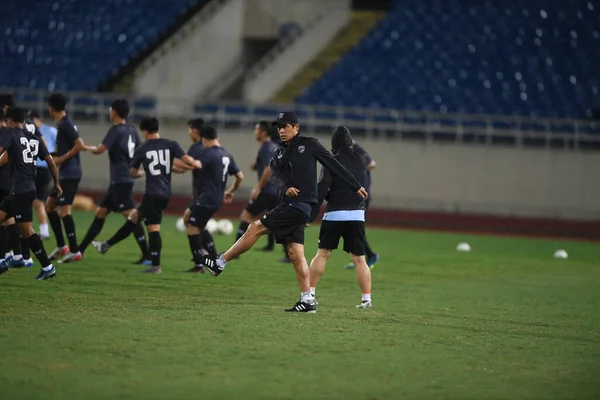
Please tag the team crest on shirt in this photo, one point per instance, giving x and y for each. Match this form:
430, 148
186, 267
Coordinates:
280, 116
301, 149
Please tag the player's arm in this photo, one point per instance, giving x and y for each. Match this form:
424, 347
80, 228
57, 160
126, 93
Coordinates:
265, 177
239, 177
338, 170
185, 163
135, 171
179, 167
101, 148
79, 146
44, 154
3, 157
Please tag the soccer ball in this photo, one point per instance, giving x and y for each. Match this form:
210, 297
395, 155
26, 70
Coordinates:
225, 227
180, 225
211, 226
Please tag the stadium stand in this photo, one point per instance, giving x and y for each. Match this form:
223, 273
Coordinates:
514, 57
58, 45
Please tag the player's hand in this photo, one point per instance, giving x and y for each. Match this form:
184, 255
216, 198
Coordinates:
254, 193
197, 164
253, 166
89, 148
292, 192
228, 197
58, 160
362, 192
58, 190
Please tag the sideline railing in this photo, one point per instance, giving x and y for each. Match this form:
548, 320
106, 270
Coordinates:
380, 123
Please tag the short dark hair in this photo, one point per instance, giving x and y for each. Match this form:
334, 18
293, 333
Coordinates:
57, 101
15, 114
208, 132
196, 123
264, 126
149, 124
121, 107
7, 99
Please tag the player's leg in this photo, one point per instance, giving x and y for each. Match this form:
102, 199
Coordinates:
3, 216
122, 198
317, 267
307, 303
200, 240
14, 241
43, 180
155, 245
3, 242
329, 239
123, 232
140, 237
104, 208
64, 211
56, 225
355, 244
40, 213
245, 220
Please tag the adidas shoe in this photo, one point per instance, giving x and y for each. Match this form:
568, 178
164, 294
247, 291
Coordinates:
58, 252
303, 308
152, 270
102, 247
197, 269
211, 265
16, 263
28, 263
365, 304
71, 257
143, 261
371, 261
43, 275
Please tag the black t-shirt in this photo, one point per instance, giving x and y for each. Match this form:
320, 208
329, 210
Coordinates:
194, 151
156, 156
121, 141
211, 180
5, 178
23, 149
361, 150
263, 159
66, 136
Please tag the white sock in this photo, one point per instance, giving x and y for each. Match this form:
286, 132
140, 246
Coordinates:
9, 254
313, 290
366, 297
17, 257
29, 260
306, 297
48, 268
221, 263
44, 230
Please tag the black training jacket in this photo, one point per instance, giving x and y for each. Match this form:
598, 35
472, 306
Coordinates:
340, 196
295, 165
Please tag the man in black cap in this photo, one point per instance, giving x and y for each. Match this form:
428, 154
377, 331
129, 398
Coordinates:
344, 216
294, 167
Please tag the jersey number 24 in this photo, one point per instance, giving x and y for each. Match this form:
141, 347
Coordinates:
159, 157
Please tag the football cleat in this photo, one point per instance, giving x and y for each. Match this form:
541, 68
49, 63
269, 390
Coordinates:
303, 308
28, 263
371, 261
365, 304
211, 265
58, 252
3, 268
152, 270
16, 263
43, 275
102, 247
143, 261
71, 257
197, 269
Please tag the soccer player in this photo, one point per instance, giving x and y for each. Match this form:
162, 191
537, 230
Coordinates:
68, 146
156, 155
263, 196
209, 185
10, 237
294, 165
22, 148
344, 216
120, 141
43, 179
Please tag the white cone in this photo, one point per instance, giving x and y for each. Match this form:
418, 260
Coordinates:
464, 246
561, 254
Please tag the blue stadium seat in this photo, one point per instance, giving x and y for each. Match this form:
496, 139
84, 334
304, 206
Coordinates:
514, 57
77, 44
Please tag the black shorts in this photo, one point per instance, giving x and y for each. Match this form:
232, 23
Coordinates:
4, 193
69, 187
118, 197
19, 206
264, 202
43, 179
286, 223
199, 216
353, 233
152, 208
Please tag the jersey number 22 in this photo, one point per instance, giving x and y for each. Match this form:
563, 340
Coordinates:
30, 151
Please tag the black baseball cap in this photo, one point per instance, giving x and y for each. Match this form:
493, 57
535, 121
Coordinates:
286, 117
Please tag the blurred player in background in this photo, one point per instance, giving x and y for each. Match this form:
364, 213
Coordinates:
263, 196
43, 179
156, 156
68, 147
344, 216
372, 257
209, 183
22, 149
121, 140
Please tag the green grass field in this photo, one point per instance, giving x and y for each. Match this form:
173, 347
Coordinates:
506, 321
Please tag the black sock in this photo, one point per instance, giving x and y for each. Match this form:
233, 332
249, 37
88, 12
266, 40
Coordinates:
368, 250
3, 241
196, 248
14, 239
140, 236
271, 240
71, 236
93, 231
25, 249
122, 233
155, 247
35, 244
209, 243
56, 225
241, 230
